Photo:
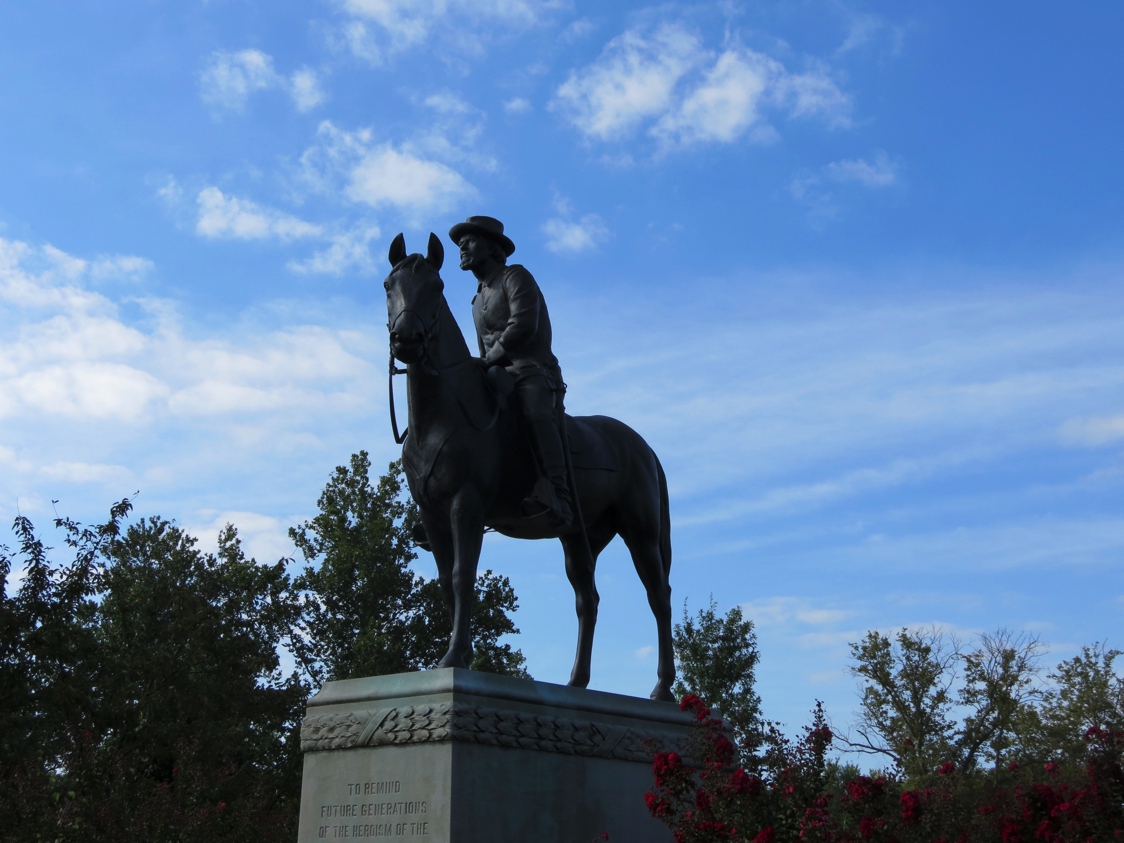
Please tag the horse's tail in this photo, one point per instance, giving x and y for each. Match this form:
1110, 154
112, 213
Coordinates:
665, 520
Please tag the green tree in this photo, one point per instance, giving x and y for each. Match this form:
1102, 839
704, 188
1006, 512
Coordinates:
911, 686
1000, 692
367, 613
716, 658
906, 697
149, 703
1087, 693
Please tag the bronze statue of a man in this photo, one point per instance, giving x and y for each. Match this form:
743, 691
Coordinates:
513, 330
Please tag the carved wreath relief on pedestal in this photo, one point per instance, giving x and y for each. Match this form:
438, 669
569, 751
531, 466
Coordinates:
479, 724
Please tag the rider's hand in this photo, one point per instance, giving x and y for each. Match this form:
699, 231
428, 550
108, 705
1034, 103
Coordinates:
495, 356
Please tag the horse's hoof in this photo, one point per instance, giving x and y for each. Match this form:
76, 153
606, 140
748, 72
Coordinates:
451, 659
661, 693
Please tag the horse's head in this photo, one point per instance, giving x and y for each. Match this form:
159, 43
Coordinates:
413, 298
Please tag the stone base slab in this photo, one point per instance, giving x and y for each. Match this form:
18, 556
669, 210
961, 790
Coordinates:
457, 756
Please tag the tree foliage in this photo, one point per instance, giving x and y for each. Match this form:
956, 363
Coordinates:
141, 689
368, 614
147, 700
716, 658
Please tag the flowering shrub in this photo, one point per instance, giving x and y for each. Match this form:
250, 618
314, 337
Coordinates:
786, 793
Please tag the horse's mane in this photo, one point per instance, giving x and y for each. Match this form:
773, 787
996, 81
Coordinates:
412, 260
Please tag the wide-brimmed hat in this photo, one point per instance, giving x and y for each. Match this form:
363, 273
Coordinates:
488, 227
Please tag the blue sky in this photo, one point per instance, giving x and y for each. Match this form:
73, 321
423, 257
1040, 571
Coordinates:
853, 269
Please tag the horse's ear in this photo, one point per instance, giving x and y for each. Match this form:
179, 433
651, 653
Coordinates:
436, 255
397, 250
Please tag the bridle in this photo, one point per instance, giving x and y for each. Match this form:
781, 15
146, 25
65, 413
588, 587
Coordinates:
429, 335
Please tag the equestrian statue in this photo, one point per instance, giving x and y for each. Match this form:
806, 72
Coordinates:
489, 445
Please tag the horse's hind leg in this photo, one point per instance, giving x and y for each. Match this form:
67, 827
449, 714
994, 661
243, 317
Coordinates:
648, 559
580, 569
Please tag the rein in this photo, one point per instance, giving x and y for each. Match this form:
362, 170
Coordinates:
428, 332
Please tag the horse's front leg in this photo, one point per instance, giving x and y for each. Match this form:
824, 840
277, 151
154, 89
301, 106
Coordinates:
466, 519
441, 543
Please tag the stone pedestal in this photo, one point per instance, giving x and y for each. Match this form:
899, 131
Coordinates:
457, 756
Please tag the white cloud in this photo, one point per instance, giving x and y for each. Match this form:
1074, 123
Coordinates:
349, 251
306, 90
775, 611
1093, 431
814, 94
446, 102
465, 25
688, 93
517, 105
229, 78
381, 174
69, 355
82, 472
881, 172
571, 237
634, 79
222, 216
389, 176
809, 186
125, 267
863, 30
264, 538
725, 104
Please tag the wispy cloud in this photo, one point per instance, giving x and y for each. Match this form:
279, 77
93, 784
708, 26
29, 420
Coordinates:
380, 29
568, 236
813, 187
306, 89
1093, 431
881, 172
349, 251
688, 94
230, 78
222, 216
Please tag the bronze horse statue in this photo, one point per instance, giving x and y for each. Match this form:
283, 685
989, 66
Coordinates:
469, 467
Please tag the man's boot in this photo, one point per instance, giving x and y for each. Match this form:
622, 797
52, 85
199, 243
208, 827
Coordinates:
552, 491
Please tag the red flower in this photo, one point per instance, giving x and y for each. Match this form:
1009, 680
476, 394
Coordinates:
222, 804
664, 765
868, 826
692, 702
656, 806
604, 835
1009, 831
702, 800
947, 769
910, 801
862, 788
1013, 766
1051, 769
765, 835
743, 783
985, 809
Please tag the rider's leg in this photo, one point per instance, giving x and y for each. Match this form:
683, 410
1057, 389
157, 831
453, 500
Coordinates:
537, 401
